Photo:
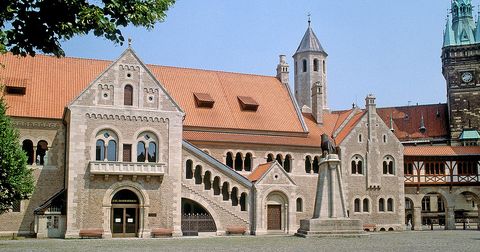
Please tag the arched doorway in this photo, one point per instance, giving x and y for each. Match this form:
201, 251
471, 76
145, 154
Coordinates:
276, 203
125, 214
434, 211
196, 219
409, 214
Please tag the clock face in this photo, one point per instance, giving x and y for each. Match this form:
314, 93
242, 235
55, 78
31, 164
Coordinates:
467, 77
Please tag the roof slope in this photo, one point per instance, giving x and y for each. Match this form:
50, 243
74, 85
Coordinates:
310, 42
51, 83
441, 150
407, 121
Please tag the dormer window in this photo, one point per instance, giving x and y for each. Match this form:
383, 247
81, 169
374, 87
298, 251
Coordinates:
11, 90
248, 103
203, 100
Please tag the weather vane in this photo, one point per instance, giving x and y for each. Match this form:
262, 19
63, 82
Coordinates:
309, 15
129, 42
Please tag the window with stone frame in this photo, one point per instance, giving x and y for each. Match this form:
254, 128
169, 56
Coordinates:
357, 165
308, 164
147, 147
381, 205
356, 205
390, 205
304, 65
388, 165
315, 65
128, 95
106, 147
366, 206
299, 205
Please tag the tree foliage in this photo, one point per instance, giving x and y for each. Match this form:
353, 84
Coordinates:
16, 180
27, 26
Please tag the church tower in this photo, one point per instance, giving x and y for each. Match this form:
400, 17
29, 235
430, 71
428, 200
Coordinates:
311, 74
461, 69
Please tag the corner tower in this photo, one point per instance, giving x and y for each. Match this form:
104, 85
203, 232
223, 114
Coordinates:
461, 68
310, 63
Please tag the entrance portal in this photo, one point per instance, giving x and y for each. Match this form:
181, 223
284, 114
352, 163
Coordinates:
125, 214
274, 217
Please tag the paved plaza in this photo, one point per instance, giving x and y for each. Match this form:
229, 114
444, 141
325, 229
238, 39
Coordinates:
389, 241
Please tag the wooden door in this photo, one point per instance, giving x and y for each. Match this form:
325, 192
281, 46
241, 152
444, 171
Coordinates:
127, 153
274, 217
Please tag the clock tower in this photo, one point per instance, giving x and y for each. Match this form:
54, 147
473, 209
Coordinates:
461, 69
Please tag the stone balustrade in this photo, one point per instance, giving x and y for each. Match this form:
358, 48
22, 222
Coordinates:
126, 168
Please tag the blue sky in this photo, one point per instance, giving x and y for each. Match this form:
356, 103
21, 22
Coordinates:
388, 48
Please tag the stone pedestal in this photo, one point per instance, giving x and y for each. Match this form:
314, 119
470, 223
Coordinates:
330, 213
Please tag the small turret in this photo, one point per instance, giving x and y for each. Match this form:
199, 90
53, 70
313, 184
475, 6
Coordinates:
282, 70
448, 36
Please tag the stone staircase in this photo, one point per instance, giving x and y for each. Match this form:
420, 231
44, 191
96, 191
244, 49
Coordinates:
216, 200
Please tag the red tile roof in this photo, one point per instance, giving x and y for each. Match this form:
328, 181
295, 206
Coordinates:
259, 171
441, 150
407, 121
51, 83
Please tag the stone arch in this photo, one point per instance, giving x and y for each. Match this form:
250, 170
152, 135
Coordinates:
207, 207
276, 200
108, 127
143, 204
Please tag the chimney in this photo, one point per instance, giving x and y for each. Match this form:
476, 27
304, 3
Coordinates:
282, 70
317, 102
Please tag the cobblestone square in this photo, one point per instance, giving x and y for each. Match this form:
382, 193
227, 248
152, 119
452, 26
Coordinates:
388, 241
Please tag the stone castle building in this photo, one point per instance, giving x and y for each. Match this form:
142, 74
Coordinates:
130, 149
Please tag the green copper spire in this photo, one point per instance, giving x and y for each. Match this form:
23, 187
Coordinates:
477, 30
448, 35
463, 25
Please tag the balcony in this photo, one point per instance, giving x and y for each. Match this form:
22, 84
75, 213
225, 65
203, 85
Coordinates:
127, 168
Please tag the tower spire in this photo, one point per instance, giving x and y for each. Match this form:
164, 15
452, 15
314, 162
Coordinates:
309, 21
448, 35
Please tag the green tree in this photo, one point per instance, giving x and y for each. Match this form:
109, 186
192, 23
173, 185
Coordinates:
29, 26
16, 180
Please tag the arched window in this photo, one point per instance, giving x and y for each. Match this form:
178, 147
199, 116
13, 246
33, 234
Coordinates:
247, 163
357, 164
316, 164
234, 196
152, 152
390, 205
381, 205
146, 148
238, 162
229, 160
100, 150
141, 155
308, 164
216, 186
324, 66
270, 157
189, 169
315, 65
356, 204
42, 148
279, 159
27, 147
287, 164
388, 166
106, 146
128, 95
206, 180
243, 202
225, 190
304, 65
299, 205
426, 204
112, 150
198, 175
365, 205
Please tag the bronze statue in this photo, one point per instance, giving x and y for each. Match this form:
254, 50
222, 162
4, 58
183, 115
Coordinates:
327, 145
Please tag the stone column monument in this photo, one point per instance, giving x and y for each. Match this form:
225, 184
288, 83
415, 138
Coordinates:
330, 212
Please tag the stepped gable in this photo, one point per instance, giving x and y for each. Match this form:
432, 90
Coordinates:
407, 121
51, 83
